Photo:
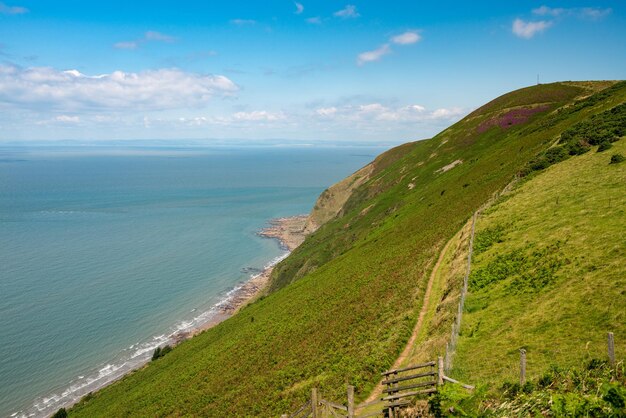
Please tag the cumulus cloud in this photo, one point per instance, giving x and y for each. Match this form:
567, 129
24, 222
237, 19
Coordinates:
548, 11
348, 12
259, 115
326, 111
595, 13
299, 8
67, 119
243, 22
237, 119
375, 55
12, 10
45, 88
377, 112
149, 36
527, 30
407, 38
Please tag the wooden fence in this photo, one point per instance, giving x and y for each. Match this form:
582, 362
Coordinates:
402, 386
317, 407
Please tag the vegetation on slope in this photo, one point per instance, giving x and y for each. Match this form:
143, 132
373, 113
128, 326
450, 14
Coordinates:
551, 257
356, 284
594, 389
548, 276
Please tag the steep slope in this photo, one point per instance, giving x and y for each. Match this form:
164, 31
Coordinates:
549, 273
345, 302
331, 202
548, 276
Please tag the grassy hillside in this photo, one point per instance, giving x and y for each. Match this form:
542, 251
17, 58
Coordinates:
548, 276
345, 302
549, 272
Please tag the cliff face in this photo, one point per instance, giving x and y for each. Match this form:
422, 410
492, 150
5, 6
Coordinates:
330, 203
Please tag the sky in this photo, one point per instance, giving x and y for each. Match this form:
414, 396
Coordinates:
343, 71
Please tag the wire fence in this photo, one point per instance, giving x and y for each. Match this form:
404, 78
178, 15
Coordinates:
456, 325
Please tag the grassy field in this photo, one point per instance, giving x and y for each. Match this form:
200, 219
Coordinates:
346, 301
548, 274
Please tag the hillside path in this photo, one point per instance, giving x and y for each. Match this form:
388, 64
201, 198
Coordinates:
376, 393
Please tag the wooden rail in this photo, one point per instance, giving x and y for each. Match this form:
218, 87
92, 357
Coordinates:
398, 394
406, 369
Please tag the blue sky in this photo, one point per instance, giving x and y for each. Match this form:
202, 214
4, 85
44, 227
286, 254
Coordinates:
370, 71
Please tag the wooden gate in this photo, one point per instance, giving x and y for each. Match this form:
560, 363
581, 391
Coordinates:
408, 382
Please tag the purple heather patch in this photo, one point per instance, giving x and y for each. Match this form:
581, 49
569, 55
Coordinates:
511, 118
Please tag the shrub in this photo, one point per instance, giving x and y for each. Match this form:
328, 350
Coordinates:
604, 146
614, 398
61, 413
617, 158
434, 405
160, 352
488, 237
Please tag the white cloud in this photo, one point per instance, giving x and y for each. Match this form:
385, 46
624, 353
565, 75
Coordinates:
407, 38
299, 8
12, 10
314, 20
45, 88
375, 55
447, 113
548, 11
595, 13
149, 36
67, 119
326, 111
158, 36
61, 120
527, 30
347, 12
259, 115
243, 22
126, 45
377, 112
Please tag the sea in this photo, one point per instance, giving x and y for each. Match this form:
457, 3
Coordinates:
106, 252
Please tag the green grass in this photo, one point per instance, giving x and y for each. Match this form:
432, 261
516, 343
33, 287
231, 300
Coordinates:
554, 281
592, 389
346, 301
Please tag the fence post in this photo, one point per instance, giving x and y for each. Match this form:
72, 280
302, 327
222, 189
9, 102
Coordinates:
611, 347
314, 402
440, 371
350, 401
522, 367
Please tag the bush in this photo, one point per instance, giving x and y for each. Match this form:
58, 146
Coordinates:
604, 146
487, 238
434, 405
61, 413
160, 352
617, 158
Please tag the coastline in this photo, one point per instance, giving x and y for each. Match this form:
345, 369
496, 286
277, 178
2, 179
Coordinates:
288, 231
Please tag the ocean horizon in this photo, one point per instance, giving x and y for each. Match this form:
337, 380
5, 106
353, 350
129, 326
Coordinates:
107, 252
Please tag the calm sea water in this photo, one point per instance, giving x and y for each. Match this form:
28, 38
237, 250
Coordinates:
106, 252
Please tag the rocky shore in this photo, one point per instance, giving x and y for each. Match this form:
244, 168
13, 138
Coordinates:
290, 232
